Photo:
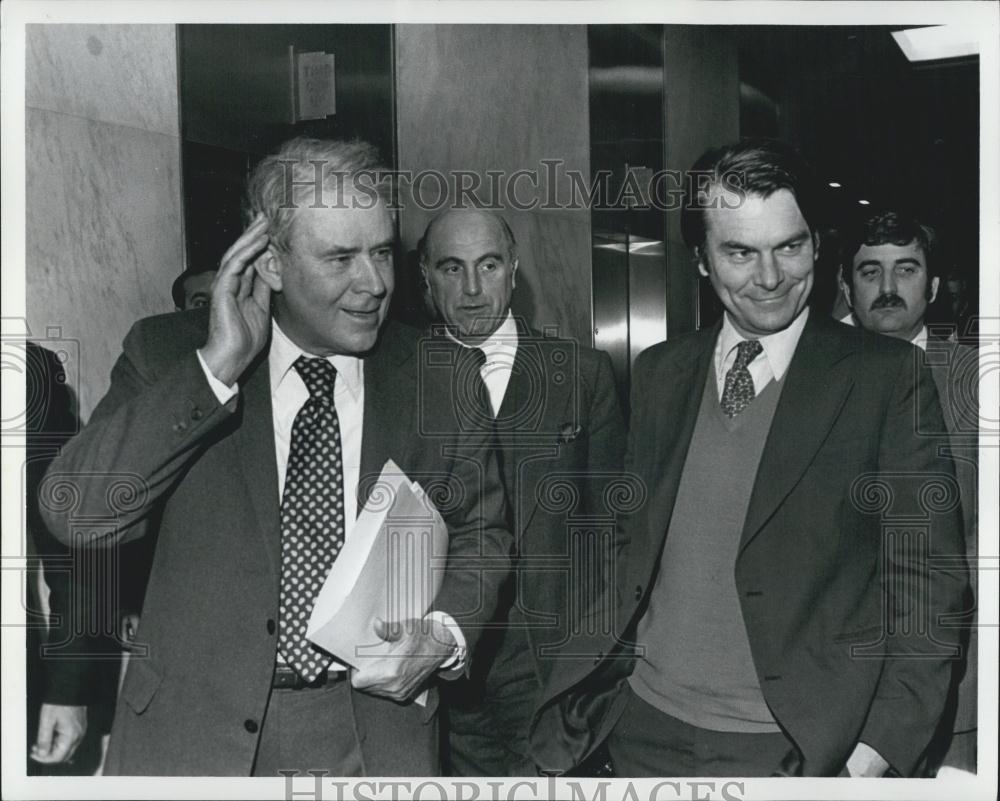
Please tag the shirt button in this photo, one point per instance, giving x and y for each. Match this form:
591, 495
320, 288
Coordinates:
250, 726
179, 428
638, 592
270, 626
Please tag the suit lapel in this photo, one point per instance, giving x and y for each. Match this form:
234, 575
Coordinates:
390, 392
661, 452
817, 385
539, 356
255, 442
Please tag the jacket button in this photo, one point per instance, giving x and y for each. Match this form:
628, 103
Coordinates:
599, 657
638, 592
270, 626
179, 427
196, 414
250, 726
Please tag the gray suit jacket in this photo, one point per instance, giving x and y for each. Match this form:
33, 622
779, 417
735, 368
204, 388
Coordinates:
159, 442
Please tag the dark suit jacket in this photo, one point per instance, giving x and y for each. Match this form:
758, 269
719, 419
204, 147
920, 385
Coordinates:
809, 571
955, 368
160, 441
561, 437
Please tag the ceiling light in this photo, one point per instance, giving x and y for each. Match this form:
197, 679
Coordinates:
937, 42
834, 184
864, 202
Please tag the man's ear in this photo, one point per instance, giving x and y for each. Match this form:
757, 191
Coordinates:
513, 275
269, 268
815, 237
699, 258
935, 283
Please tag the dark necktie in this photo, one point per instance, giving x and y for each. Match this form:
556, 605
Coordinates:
738, 391
312, 514
473, 397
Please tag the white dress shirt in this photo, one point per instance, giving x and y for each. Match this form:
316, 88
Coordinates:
499, 348
772, 363
288, 394
920, 340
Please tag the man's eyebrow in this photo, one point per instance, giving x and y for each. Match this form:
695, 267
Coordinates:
908, 260
494, 255
448, 260
732, 244
341, 250
385, 243
801, 236
868, 263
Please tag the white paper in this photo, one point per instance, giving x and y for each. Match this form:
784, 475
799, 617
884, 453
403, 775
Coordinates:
391, 567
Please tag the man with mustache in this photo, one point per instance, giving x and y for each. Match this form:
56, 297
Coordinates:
889, 277
251, 432
772, 616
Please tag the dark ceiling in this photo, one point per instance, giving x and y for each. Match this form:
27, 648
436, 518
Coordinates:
900, 135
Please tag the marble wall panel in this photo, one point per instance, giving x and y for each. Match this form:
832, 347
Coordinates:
123, 74
103, 239
104, 232
505, 98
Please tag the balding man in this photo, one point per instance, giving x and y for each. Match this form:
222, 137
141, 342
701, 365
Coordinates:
558, 425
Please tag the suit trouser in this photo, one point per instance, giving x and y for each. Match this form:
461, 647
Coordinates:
310, 729
488, 718
648, 742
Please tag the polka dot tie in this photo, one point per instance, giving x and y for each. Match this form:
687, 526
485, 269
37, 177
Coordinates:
739, 391
312, 515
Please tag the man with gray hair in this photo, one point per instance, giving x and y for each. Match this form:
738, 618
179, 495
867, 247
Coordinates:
253, 431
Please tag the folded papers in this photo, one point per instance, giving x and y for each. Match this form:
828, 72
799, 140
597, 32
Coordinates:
390, 567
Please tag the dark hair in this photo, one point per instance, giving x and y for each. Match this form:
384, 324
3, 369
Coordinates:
887, 228
751, 167
177, 288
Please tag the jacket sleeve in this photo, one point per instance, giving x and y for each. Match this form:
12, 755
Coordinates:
148, 427
922, 589
480, 542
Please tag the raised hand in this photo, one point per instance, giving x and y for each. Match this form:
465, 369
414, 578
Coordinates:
240, 309
418, 648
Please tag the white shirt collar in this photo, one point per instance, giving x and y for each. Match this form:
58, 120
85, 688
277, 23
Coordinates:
778, 347
502, 342
284, 352
920, 340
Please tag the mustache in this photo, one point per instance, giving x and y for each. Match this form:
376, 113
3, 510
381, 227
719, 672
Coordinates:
888, 301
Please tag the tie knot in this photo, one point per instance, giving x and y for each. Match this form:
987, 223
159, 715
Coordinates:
475, 358
746, 352
319, 377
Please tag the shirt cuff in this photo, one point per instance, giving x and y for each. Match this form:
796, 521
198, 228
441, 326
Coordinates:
865, 761
223, 393
457, 660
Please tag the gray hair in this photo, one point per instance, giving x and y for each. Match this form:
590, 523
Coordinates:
302, 172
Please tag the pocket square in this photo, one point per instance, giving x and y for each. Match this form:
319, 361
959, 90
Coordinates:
569, 432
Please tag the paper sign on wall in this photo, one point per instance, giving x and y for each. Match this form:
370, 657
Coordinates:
317, 94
